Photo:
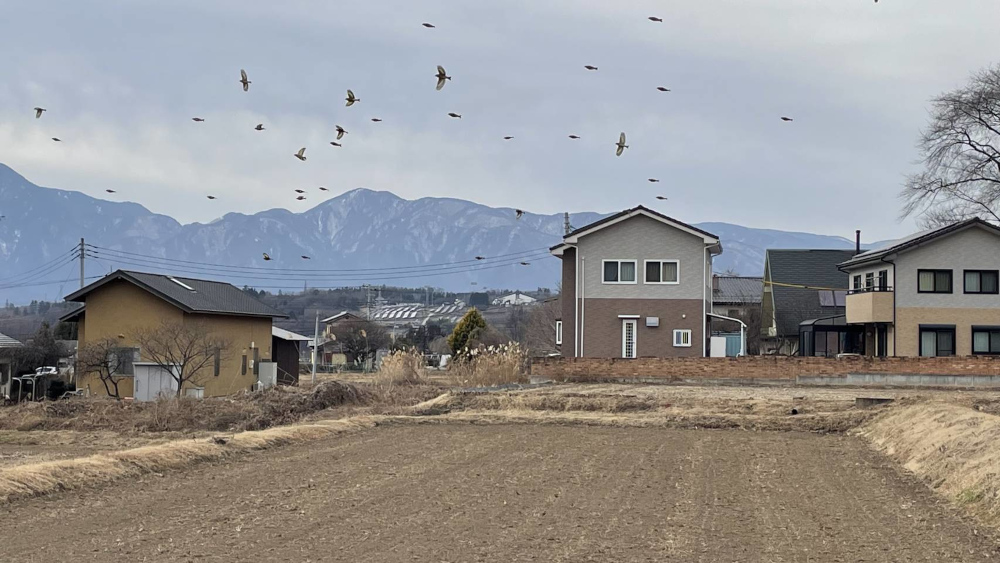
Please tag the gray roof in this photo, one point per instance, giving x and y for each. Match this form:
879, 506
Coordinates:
8, 342
917, 239
816, 270
738, 290
189, 294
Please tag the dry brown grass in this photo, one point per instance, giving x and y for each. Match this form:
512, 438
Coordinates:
48, 477
543, 407
954, 449
249, 411
402, 367
489, 366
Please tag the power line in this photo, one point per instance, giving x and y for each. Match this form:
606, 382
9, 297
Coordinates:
279, 274
229, 268
73, 251
31, 279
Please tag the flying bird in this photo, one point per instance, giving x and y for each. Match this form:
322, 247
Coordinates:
300, 191
341, 132
525, 263
508, 138
376, 120
57, 139
661, 197
300, 198
518, 213
336, 144
589, 67
662, 89
480, 258
210, 197
442, 77
322, 189
655, 19
266, 257
455, 115
621, 145
653, 180
304, 257
428, 25
243, 80
351, 99
198, 119
301, 155
110, 191
259, 127
38, 112
787, 119
574, 136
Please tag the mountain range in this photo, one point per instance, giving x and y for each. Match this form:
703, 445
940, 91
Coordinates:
415, 243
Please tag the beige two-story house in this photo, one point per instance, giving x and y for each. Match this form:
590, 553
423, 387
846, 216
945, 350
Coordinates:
935, 293
636, 284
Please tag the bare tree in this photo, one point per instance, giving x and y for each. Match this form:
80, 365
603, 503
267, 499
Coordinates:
961, 154
540, 334
360, 340
107, 359
183, 349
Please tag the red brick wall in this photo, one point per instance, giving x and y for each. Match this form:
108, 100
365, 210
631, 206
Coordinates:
756, 367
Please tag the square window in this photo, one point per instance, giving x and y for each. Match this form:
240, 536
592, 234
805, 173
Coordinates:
662, 271
934, 281
981, 281
619, 271
937, 341
682, 338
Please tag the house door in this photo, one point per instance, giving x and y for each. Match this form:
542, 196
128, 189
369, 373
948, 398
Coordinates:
628, 338
881, 340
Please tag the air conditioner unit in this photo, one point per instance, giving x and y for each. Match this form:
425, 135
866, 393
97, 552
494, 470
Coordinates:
652, 321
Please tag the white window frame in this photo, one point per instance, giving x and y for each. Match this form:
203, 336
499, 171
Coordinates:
661, 262
635, 338
619, 282
559, 332
679, 332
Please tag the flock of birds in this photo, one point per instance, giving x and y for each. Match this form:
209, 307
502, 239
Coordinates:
442, 79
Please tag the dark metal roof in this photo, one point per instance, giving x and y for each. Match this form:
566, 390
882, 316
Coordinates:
813, 268
188, 294
916, 240
737, 290
8, 342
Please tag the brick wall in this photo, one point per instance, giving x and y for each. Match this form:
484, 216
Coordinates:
756, 367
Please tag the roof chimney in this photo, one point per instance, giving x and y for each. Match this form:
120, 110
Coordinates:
857, 242
715, 282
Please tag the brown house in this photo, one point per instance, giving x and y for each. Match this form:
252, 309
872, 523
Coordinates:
124, 302
636, 284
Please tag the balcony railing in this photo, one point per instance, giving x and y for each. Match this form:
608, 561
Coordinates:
872, 289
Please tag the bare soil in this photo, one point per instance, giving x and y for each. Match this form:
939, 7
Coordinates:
461, 492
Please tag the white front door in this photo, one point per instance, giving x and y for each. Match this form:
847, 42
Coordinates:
628, 338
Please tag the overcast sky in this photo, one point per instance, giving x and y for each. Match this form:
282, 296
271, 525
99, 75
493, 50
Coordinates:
122, 80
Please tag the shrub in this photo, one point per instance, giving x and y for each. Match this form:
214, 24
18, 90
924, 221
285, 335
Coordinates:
468, 329
487, 366
402, 367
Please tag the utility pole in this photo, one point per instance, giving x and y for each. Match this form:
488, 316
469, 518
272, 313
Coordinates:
82, 254
315, 346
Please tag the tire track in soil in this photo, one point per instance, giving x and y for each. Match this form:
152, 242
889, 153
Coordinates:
488, 493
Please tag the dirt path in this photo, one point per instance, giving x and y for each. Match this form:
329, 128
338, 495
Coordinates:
511, 493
